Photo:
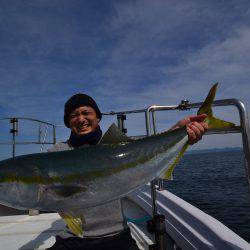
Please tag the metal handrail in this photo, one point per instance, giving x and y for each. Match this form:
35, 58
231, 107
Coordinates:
185, 105
26, 118
243, 128
14, 131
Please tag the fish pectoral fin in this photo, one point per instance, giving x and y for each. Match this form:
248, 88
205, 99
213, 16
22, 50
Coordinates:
168, 175
206, 108
114, 135
74, 222
66, 190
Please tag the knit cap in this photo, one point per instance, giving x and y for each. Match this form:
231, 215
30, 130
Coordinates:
77, 101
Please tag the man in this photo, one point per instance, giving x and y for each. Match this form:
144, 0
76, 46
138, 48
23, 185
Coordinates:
104, 226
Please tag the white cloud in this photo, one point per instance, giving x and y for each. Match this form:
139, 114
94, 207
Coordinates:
224, 59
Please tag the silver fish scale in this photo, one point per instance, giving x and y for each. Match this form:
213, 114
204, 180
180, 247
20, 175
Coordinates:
94, 174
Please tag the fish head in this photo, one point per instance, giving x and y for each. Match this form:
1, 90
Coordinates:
16, 189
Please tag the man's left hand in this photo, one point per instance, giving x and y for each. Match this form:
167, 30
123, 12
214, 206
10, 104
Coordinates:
195, 125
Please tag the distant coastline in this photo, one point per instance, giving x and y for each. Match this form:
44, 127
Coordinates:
214, 150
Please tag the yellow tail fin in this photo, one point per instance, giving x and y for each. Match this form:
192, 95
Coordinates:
206, 108
212, 122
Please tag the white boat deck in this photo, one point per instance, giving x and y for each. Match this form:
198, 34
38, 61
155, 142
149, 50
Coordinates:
29, 232
38, 232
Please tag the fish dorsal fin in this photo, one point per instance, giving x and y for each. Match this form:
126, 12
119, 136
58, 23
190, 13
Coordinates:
114, 135
74, 222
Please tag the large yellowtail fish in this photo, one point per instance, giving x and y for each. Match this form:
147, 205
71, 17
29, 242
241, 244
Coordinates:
93, 175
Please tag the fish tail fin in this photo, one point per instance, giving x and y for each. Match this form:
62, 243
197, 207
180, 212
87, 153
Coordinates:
206, 108
73, 222
212, 122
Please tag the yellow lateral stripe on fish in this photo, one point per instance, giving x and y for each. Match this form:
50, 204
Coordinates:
168, 174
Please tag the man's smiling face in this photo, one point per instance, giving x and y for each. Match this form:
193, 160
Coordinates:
83, 120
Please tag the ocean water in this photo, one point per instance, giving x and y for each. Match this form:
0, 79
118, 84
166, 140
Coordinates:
216, 183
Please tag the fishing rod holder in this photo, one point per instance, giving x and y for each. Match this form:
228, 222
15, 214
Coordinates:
14, 132
184, 105
121, 124
158, 227
14, 129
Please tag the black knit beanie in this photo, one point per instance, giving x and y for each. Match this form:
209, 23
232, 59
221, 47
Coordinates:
77, 101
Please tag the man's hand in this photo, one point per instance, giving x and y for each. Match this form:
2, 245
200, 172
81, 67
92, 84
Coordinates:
195, 125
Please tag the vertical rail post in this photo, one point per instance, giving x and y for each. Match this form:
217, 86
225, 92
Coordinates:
153, 182
244, 123
153, 196
157, 224
39, 132
121, 125
54, 134
14, 132
153, 122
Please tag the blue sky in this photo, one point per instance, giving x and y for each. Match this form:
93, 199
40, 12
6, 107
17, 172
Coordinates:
126, 54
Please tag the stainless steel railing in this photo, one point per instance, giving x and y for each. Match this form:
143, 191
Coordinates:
243, 128
15, 129
150, 121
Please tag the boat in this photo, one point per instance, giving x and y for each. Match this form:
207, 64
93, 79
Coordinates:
157, 218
